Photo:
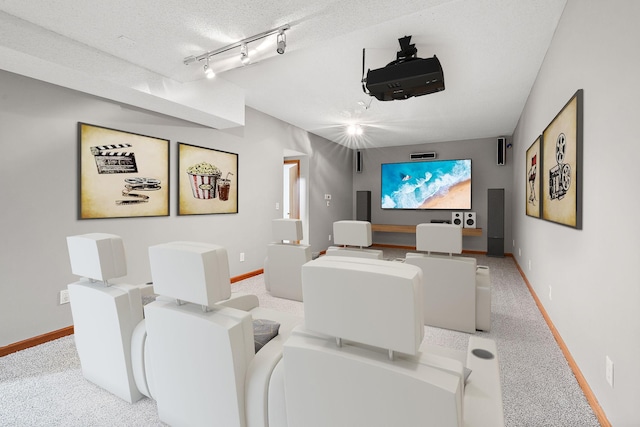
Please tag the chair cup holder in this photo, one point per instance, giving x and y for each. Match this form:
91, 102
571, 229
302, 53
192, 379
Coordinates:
482, 354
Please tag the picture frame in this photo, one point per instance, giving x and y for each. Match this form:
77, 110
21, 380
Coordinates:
533, 168
121, 174
207, 181
562, 165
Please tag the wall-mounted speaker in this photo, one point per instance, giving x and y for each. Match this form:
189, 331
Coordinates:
502, 151
457, 218
358, 161
469, 220
423, 156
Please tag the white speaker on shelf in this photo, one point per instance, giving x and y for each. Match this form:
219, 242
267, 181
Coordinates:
457, 218
469, 220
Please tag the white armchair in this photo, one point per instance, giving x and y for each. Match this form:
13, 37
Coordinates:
282, 267
202, 361
355, 236
359, 359
104, 315
457, 292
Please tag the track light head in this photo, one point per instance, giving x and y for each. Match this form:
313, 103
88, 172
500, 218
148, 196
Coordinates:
244, 55
282, 42
208, 71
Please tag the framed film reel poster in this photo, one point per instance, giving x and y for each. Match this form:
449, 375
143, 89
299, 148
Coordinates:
561, 168
122, 174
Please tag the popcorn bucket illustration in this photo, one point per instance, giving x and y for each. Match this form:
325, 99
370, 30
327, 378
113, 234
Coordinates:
203, 178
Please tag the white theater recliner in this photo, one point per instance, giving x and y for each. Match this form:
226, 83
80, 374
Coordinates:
200, 343
282, 267
105, 315
359, 358
457, 292
355, 236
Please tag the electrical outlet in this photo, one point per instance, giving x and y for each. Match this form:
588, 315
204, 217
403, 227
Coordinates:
241, 256
549, 292
328, 203
277, 206
609, 371
529, 265
329, 237
64, 296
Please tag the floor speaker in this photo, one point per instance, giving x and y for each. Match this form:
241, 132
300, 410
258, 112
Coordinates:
457, 218
469, 220
495, 222
363, 206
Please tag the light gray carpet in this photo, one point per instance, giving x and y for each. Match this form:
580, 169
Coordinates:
43, 386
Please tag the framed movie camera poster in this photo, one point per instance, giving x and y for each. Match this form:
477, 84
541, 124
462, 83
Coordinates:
562, 165
207, 181
121, 174
533, 169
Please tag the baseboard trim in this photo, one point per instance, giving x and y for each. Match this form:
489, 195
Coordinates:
246, 275
54, 335
32, 342
582, 382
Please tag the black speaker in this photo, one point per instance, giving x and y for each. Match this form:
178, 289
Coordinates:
358, 161
363, 206
495, 222
502, 151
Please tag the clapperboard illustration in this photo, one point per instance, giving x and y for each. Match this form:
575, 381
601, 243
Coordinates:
109, 161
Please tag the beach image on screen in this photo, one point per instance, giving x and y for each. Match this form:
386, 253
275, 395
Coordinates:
439, 184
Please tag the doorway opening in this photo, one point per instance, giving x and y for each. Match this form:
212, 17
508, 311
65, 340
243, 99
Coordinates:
291, 190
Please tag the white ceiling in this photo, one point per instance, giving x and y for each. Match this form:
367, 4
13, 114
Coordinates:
490, 50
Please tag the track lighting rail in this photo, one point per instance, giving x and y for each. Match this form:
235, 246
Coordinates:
190, 59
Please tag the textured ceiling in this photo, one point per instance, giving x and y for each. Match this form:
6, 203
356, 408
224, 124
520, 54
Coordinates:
490, 50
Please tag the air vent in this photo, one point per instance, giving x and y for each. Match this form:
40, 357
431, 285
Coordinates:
423, 156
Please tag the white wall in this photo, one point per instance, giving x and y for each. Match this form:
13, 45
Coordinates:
38, 189
593, 272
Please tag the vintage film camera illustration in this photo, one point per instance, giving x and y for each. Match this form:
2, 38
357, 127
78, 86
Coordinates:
560, 174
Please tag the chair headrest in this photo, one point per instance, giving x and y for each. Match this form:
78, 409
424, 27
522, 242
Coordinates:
97, 256
372, 302
190, 271
437, 237
352, 233
287, 229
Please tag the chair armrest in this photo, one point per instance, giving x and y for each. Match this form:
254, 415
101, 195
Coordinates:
260, 369
146, 289
240, 301
483, 393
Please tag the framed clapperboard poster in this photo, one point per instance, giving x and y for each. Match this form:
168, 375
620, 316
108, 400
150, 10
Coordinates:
121, 174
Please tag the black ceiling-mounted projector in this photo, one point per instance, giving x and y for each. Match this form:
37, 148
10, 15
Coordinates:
406, 77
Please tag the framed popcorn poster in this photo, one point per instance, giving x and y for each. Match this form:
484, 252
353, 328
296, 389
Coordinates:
562, 165
207, 181
533, 165
121, 174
